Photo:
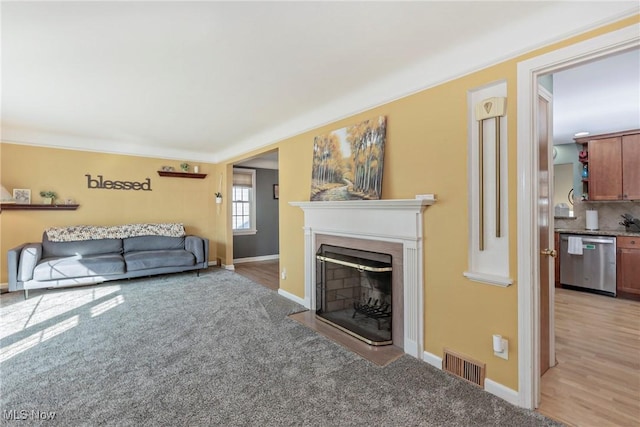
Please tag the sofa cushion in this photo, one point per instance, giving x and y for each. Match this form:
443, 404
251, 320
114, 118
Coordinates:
80, 247
142, 260
152, 243
79, 266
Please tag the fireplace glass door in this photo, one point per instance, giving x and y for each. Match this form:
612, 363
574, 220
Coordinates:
353, 292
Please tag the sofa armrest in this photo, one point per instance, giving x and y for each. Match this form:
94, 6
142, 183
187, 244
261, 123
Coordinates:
29, 257
21, 261
199, 247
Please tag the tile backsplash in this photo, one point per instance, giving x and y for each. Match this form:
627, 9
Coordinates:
609, 215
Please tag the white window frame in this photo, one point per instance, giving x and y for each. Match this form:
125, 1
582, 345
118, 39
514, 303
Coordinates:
252, 203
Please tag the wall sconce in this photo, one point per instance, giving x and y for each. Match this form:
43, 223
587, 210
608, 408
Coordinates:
218, 198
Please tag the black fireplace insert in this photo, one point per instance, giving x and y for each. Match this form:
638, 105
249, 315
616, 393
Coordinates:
353, 292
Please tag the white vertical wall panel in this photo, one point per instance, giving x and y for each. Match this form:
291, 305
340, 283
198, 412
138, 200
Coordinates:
490, 265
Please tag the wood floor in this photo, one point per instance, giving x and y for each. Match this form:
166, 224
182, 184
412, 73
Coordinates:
597, 379
262, 272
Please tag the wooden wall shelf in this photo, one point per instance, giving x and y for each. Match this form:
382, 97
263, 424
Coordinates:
182, 174
34, 207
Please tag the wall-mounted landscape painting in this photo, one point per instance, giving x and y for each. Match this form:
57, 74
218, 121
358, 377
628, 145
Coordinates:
347, 163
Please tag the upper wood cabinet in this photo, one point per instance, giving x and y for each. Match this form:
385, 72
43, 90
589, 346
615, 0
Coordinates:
631, 167
614, 165
605, 164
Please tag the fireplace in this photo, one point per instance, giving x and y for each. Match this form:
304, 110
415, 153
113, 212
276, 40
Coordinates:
384, 226
354, 292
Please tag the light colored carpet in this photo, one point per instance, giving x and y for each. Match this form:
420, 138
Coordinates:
211, 350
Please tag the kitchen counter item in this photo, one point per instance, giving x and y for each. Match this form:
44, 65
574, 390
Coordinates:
593, 266
630, 223
592, 220
562, 209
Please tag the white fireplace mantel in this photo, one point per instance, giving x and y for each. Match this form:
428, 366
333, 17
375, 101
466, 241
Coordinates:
394, 220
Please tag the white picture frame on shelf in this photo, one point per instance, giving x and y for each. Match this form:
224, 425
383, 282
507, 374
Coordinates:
22, 196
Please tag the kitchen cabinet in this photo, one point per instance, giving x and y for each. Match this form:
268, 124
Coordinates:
613, 164
628, 265
631, 167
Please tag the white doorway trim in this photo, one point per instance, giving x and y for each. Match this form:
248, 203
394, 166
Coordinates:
527, 221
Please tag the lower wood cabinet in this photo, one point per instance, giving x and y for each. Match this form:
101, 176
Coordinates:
628, 265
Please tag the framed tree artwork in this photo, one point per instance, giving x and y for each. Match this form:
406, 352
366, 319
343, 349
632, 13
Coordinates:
348, 162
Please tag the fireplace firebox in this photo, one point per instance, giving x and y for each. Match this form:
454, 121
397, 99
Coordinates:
354, 292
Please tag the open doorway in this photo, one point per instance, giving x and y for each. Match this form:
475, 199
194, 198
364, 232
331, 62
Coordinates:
530, 220
255, 219
590, 351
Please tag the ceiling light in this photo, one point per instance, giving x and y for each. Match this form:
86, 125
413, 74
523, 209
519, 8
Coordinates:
579, 134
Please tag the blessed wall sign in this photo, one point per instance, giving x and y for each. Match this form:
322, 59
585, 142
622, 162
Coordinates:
108, 184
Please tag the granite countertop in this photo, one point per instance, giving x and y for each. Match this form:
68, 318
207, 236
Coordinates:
598, 232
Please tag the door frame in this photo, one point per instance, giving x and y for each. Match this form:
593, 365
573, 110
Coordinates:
527, 190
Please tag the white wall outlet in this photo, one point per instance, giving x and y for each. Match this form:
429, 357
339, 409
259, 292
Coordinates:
283, 275
504, 354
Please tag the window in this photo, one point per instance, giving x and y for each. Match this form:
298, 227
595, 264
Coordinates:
243, 214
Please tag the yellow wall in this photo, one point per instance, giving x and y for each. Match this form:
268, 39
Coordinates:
426, 151
189, 201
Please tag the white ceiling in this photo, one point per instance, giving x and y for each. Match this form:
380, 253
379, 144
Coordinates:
211, 80
599, 97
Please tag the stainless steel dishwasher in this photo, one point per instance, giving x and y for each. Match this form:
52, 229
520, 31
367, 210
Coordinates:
595, 268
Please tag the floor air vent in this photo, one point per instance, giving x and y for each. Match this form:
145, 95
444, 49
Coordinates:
463, 367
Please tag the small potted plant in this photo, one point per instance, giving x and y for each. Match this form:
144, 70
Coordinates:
218, 197
48, 197
184, 166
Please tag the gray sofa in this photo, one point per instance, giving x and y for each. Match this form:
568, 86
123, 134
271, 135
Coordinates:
57, 264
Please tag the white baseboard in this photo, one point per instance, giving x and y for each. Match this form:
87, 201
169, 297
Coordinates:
502, 391
432, 360
229, 267
294, 298
256, 258
212, 263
